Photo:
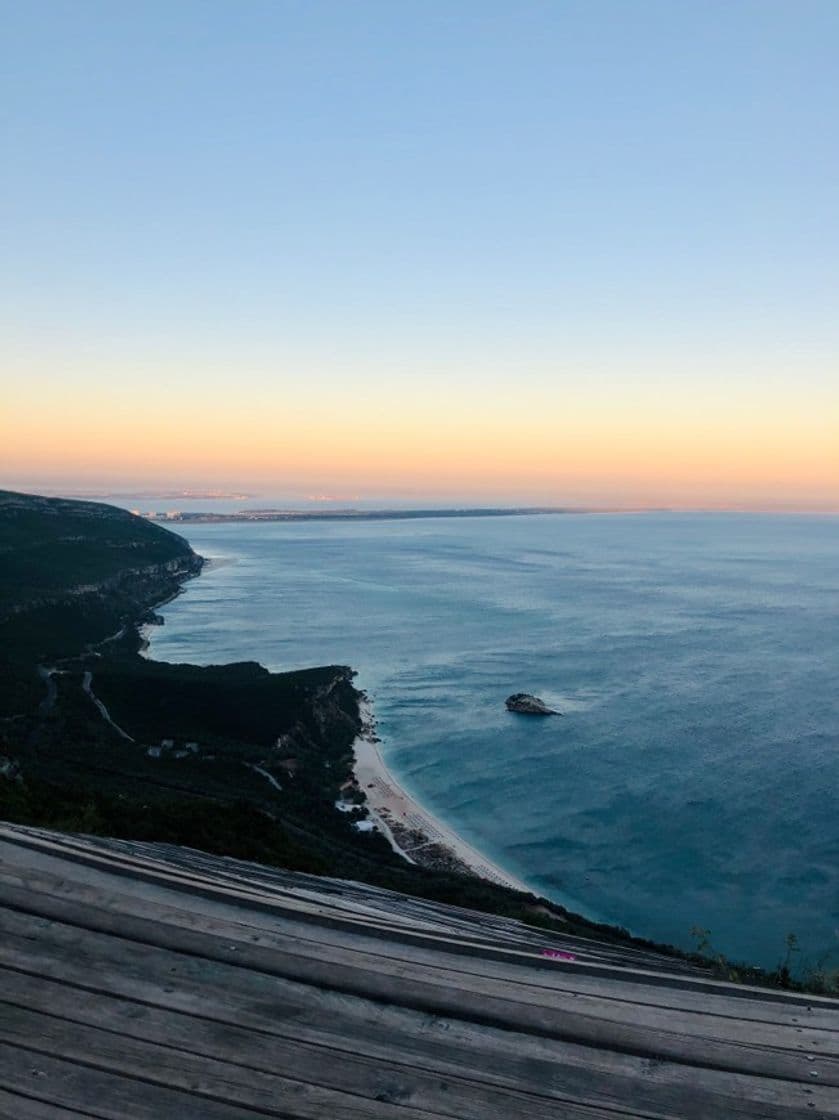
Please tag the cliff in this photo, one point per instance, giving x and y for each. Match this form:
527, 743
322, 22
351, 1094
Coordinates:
74, 573
231, 759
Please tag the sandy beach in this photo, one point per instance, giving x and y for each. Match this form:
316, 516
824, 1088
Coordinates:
412, 830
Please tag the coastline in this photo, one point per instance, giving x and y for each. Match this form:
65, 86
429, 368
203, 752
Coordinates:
150, 620
412, 831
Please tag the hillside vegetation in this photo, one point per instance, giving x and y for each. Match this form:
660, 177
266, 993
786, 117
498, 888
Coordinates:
52, 549
230, 759
73, 574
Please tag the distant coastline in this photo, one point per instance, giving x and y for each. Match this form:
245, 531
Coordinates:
208, 516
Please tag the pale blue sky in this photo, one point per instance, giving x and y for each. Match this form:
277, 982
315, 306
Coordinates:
304, 196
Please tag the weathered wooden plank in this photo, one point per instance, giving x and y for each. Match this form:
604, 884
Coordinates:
13, 1106
70, 946
245, 1053
708, 997
541, 973
686, 1038
70, 1086
475, 1062
254, 979
172, 883
286, 1093
550, 970
274, 1005
182, 876
506, 1014
385, 921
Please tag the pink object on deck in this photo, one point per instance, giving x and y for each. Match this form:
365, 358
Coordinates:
558, 955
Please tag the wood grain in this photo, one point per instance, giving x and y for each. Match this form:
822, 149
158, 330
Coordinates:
141, 980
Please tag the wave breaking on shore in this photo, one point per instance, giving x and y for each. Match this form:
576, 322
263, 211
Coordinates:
412, 831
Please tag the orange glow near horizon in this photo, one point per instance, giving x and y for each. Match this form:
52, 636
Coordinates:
580, 255
577, 451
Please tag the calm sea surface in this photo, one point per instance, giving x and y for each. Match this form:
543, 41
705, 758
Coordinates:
693, 778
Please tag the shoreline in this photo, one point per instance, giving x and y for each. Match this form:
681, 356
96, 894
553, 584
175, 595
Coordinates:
150, 621
410, 829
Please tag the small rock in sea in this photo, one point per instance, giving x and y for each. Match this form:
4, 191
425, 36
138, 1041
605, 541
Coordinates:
527, 705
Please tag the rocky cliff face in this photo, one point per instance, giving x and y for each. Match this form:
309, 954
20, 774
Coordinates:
134, 589
57, 551
73, 574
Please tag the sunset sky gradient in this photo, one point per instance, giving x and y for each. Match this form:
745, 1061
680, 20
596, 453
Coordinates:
554, 253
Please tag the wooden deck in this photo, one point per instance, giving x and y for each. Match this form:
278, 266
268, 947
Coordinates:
144, 981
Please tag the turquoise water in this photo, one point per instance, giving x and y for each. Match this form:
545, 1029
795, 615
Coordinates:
693, 777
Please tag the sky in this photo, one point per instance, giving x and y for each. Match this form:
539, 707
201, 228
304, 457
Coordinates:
565, 253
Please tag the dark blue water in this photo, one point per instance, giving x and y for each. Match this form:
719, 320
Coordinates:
693, 778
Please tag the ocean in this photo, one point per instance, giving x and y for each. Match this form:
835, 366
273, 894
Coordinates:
692, 779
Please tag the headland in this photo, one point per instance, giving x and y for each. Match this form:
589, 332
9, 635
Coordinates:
230, 759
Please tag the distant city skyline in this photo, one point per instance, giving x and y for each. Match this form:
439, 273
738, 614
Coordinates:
570, 253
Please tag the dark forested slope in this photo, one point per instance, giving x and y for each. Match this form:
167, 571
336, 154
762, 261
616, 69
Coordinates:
232, 759
73, 573
94, 735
